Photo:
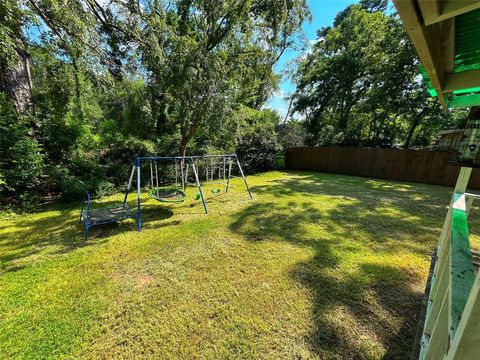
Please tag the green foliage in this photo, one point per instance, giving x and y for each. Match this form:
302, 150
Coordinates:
111, 81
105, 188
10, 32
21, 161
292, 134
72, 188
204, 59
359, 86
259, 145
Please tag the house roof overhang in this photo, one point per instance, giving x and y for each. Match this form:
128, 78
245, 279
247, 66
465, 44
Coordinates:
446, 35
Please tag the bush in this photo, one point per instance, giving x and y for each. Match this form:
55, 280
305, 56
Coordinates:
105, 188
73, 189
119, 158
257, 149
292, 134
21, 160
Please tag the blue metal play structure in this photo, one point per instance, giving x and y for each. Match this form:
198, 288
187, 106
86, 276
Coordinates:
103, 216
215, 166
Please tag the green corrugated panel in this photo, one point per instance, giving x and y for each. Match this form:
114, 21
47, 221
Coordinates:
463, 101
467, 57
467, 41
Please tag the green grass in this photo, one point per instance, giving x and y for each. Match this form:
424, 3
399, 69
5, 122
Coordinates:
316, 266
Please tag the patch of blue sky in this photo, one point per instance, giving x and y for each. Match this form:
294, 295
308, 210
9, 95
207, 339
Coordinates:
323, 14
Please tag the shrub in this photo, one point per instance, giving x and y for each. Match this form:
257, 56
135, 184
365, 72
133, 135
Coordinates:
21, 160
105, 188
119, 158
73, 189
258, 149
292, 134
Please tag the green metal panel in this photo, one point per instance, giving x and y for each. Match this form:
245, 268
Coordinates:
467, 41
462, 272
467, 57
464, 101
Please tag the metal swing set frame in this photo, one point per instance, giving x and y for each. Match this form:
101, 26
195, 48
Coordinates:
122, 211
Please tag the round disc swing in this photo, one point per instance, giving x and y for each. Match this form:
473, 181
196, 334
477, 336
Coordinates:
166, 194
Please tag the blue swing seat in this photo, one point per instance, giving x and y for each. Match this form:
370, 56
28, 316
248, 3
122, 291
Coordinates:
106, 215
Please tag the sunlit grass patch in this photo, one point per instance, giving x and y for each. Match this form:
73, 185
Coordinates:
316, 266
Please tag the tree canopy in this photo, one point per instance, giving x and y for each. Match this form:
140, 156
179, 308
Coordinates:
360, 84
87, 84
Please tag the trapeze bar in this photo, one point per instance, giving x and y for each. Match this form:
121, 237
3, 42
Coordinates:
185, 157
226, 184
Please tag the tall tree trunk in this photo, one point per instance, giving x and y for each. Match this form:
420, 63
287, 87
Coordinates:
288, 110
16, 82
414, 125
183, 146
187, 135
160, 112
78, 86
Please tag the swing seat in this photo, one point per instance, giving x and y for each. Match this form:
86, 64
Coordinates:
105, 215
167, 194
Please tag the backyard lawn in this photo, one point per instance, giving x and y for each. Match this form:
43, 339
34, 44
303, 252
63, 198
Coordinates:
317, 266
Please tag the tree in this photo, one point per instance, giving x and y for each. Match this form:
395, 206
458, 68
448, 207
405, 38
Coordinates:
152, 75
258, 143
204, 58
361, 82
15, 78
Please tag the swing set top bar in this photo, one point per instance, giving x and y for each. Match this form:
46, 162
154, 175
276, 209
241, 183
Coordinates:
184, 157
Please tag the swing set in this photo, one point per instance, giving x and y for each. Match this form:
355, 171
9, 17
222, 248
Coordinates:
218, 169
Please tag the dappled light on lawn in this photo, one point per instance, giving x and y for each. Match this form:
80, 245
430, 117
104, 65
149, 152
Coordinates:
315, 266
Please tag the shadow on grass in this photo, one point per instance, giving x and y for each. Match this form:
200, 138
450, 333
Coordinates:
63, 232
378, 209
378, 298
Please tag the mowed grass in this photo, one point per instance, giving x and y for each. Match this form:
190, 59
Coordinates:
317, 266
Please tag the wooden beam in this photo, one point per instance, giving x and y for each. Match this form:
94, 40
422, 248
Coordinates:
463, 80
427, 41
430, 10
462, 273
449, 9
465, 344
448, 45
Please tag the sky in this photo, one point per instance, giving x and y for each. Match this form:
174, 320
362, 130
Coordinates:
323, 14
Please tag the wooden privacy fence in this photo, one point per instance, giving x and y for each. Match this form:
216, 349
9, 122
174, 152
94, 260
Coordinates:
430, 167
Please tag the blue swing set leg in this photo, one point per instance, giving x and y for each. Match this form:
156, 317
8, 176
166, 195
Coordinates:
112, 214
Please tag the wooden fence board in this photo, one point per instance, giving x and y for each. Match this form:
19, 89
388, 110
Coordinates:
423, 166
